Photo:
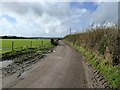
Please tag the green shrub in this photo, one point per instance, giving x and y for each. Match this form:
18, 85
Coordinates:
102, 45
110, 73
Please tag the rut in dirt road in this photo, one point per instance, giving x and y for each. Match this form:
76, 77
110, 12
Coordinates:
61, 69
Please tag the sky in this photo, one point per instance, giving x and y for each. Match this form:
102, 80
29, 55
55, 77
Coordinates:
53, 19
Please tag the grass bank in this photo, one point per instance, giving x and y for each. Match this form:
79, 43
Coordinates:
110, 73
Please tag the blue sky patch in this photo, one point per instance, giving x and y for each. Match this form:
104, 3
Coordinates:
87, 5
9, 18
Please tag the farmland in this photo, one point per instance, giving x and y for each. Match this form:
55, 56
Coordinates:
19, 53
18, 44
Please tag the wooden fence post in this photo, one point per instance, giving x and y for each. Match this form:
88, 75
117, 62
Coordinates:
31, 44
12, 45
42, 42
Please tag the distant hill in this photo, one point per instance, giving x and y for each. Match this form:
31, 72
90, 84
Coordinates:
16, 37
12, 37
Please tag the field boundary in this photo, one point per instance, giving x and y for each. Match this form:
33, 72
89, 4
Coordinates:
9, 45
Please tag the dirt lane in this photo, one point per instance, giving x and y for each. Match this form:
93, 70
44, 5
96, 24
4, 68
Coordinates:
63, 68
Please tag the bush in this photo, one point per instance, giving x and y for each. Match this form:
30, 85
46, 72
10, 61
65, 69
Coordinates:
102, 45
97, 40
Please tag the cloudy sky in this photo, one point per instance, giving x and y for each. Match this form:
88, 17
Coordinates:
53, 19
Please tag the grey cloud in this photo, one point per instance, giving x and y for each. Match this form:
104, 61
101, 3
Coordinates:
22, 8
14, 7
58, 10
108, 12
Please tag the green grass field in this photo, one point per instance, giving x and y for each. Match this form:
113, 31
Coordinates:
22, 43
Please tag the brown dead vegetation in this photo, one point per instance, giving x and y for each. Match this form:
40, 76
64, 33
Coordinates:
103, 40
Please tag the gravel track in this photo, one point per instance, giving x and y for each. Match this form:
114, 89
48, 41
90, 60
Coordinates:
63, 68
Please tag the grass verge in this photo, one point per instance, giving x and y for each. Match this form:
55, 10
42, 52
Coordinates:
110, 73
16, 53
